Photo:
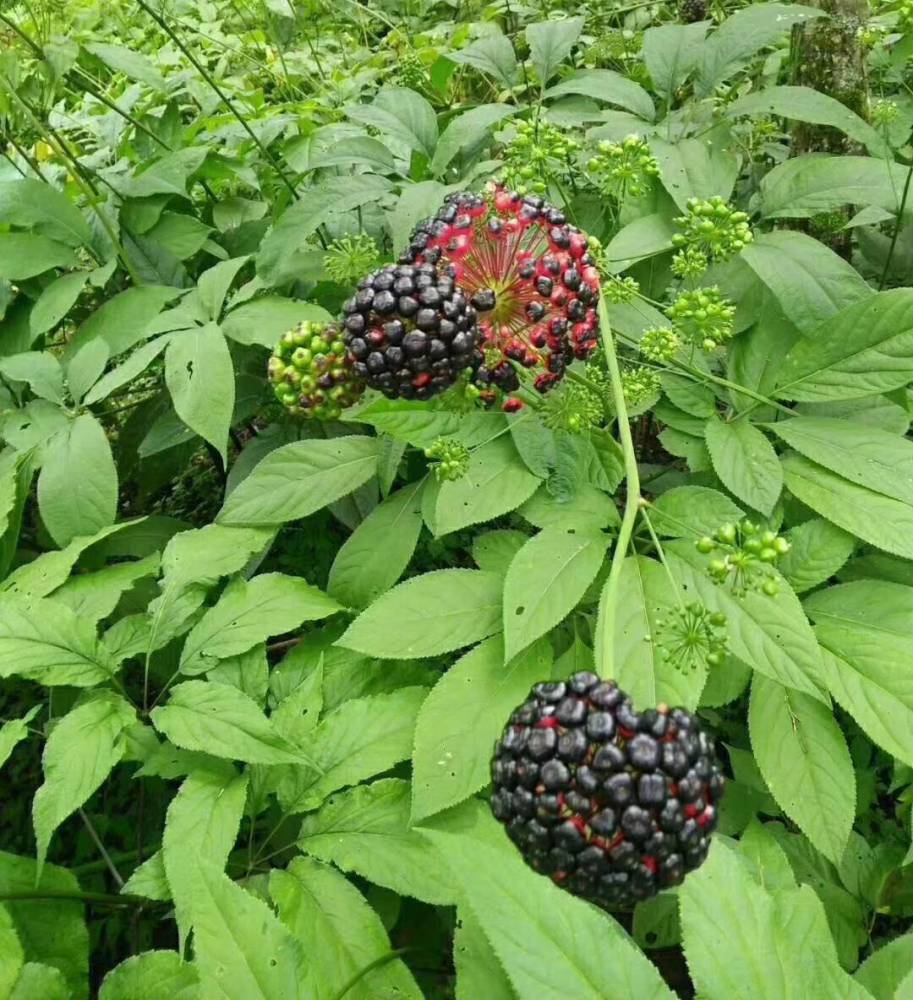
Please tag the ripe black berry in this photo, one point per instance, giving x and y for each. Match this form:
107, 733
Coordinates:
613, 804
410, 331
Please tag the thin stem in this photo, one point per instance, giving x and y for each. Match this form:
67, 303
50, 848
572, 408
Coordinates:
223, 97
644, 504
897, 224
93, 833
104, 898
609, 596
381, 960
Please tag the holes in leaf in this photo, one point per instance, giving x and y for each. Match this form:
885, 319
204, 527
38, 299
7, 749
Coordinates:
520, 610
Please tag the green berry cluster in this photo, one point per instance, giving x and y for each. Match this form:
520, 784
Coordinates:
612, 47
691, 637
640, 384
449, 459
573, 407
743, 553
905, 15
703, 316
410, 71
624, 168
884, 113
618, 290
311, 374
659, 344
537, 154
347, 259
711, 230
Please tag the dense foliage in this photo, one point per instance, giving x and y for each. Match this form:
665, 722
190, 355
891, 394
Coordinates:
268, 599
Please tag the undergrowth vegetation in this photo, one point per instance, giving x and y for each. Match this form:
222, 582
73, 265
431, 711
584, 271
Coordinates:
385, 383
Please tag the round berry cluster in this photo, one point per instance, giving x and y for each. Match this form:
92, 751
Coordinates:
410, 331
449, 459
613, 804
640, 384
743, 552
538, 153
624, 168
311, 374
703, 316
711, 230
691, 636
528, 273
659, 344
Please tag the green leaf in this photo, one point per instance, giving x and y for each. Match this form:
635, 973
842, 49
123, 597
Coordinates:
478, 970
56, 301
179, 235
11, 956
201, 824
866, 349
692, 511
138, 362
494, 550
222, 721
492, 54
745, 461
428, 615
77, 486
242, 950
377, 553
818, 550
149, 879
201, 379
601, 85
884, 971
741, 35
151, 975
35, 204
132, 64
168, 174
40, 370
865, 455
264, 320
546, 580
771, 634
300, 478
588, 507
366, 830
14, 732
93, 596
25, 255
807, 105
40, 982
44, 641
79, 754
250, 611
642, 667
550, 43
696, 168
810, 281
403, 115
496, 482
463, 716
361, 738
644, 237
549, 942
804, 760
467, 129
85, 367
213, 285
122, 321
759, 846
340, 932
352, 150
51, 932
671, 52
879, 520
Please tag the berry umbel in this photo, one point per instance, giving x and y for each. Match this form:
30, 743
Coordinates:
410, 331
528, 273
613, 804
311, 375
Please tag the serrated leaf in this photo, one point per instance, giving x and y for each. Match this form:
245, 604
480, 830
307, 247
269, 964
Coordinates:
342, 934
567, 949
79, 754
40, 369
55, 302
93, 596
35, 203
478, 969
550, 42
403, 115
40, 982
300, 478
692, 511
25, 255
461, 719
469, 128
11, 956
222, 721
805, 762
250, 611
492, 54
151, 975
427, 615
545, 581
671, 52
376, 554
14, 732
879, 520
493, 551
886, 970
745, 462
603, 85
818, 550
138, 362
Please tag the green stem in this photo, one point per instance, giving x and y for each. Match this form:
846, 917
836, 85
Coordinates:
223, 97
381, 960
609, 597
104, 898
897, 225
661, 554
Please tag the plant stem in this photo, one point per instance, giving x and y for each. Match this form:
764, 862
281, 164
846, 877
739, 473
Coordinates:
93, 833
897, 225
223, 97
104, 898
609, 597
370, 967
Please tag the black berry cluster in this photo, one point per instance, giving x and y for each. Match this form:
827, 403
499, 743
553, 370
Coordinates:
410, 331
613, 804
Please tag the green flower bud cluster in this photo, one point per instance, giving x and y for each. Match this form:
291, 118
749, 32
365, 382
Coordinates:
659, 344
617, 290
624, 168
640, 384
693, 637
573, 407
743, 554
449, 459
410, 71
538, 153
712, 229
311, 374
347, 259
703, 316
905, 15
612, 47
884, 113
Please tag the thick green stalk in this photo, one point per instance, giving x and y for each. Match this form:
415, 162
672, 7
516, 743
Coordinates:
605, 639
